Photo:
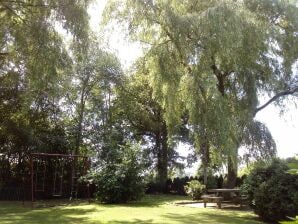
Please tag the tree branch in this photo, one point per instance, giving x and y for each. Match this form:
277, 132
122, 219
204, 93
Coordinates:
221, 77
274, 98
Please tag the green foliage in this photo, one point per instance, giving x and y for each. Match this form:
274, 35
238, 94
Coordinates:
212, 179
143, 115
272, 192
34, 65
88, 102
292, 163
250, 167
211, 182
257, 135
194, 189
210, 60
120, 178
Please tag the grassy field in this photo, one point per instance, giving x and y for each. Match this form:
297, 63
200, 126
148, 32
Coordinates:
152, 209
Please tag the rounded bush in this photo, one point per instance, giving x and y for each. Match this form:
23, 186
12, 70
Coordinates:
272, 192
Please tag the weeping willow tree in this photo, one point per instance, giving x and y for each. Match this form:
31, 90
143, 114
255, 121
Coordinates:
213, 59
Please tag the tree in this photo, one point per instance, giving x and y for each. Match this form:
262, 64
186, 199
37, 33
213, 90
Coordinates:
214, 58
33, 66
86, 105
94, 74
144, 116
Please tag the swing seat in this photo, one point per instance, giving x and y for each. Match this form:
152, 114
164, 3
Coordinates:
56, 195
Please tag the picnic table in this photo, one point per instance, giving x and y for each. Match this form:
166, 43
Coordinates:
211, 198
217, 195
221, 191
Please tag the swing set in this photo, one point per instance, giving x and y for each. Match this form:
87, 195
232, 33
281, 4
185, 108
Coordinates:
52, 173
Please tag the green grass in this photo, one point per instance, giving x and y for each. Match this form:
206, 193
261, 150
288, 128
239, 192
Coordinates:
293, 165
152, 209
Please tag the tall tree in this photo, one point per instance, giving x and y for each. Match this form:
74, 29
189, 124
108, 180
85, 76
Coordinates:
214, 58
33, 65
138, 110
95, 73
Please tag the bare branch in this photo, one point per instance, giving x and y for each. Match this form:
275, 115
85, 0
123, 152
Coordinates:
274, 98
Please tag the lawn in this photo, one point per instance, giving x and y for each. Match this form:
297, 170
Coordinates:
152, 209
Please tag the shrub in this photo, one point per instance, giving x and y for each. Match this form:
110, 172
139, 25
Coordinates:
211, 182
272, 191
194, 189
120, 179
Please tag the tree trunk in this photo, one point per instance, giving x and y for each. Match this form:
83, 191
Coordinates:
162, 160
78, 140
205, 174
232, 169
205, 159
80, 124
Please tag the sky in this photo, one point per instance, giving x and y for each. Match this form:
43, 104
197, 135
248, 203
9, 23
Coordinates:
284, 128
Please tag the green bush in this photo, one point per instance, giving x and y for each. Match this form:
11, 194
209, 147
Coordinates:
211, 182
272, 192
194, 189
120, 179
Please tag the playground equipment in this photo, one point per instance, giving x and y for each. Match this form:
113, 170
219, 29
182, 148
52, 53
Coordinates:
57, 174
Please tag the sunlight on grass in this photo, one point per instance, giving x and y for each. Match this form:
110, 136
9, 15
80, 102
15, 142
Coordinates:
291, 222
152, 209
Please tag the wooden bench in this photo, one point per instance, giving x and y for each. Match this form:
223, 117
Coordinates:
212, 198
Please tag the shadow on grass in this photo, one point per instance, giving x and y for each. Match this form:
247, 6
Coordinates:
213, 217
135, 221
82, 212
12, 214
151, 200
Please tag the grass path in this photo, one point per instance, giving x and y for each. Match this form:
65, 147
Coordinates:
152, 209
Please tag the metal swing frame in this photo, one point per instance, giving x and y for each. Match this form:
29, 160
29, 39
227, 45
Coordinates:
43, 173
57, 191
43, 156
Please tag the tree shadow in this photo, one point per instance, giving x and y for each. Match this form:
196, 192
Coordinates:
148, 201
12, 214
82, 212
135, 221
212, 217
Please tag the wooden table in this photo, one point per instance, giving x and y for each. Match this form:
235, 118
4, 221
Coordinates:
224, 190
209, 198
220, 191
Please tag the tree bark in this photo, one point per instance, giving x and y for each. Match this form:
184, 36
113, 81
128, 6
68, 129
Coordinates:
204, 148
80, 123
232, 169
162, 159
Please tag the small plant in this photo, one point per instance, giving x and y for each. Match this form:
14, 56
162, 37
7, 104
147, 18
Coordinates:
194, 189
